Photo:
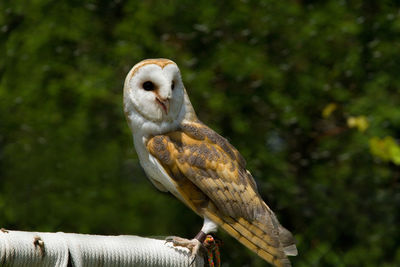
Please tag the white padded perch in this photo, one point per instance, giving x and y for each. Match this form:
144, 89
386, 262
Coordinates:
20, 249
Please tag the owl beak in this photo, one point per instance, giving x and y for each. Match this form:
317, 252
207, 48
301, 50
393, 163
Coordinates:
164, 103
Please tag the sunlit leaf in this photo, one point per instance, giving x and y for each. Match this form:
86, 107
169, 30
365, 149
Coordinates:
328, 110
386, 149
360, 122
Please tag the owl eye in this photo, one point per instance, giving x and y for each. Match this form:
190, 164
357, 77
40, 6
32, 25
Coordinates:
172, 85
148, 86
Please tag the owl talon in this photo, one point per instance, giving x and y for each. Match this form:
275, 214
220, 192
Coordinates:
193, 245
192, 259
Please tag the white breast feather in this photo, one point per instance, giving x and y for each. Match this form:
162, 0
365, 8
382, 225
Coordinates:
154, 170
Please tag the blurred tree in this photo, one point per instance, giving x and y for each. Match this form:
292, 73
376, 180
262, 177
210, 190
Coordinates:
262, 73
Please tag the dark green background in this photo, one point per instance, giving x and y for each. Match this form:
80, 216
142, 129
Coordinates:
260, 73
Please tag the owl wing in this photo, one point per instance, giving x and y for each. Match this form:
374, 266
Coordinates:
211, 177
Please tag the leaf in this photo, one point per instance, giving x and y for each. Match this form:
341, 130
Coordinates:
386, 149
328, 110
360, 122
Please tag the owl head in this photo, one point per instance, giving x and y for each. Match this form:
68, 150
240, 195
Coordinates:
155, 100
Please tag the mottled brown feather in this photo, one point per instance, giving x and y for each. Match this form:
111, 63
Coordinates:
210, 176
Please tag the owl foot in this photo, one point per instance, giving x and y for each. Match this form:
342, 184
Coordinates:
194, 245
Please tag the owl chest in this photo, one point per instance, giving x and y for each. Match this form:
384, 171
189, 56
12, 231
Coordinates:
153, 169
179, 186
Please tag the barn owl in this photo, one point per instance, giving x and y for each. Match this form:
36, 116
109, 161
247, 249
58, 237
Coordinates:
183, 156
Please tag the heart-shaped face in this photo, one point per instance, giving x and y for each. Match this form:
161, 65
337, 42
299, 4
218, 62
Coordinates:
154, 89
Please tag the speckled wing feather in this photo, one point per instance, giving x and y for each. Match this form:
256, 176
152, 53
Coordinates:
211, 177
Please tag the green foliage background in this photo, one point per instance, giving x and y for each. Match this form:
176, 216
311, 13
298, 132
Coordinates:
260, 73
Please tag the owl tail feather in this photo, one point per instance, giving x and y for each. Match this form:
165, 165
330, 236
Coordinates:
255, 236
286, 238
287, 241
